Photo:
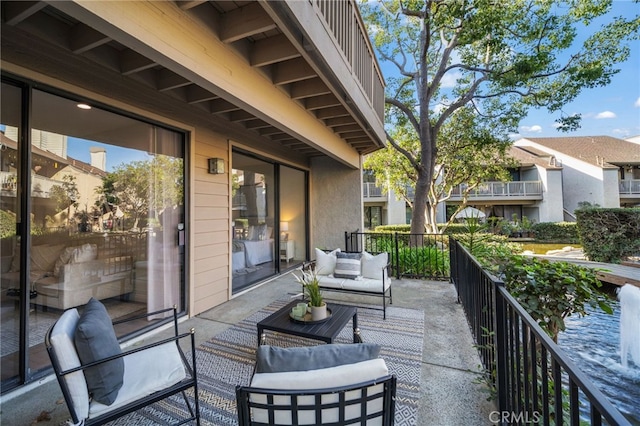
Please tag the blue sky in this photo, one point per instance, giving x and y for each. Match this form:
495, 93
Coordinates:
613, 110
116, 155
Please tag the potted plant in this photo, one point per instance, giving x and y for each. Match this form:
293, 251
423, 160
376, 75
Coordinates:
311, 289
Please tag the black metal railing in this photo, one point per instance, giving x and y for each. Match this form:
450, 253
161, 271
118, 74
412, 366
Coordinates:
521, 361
412, 255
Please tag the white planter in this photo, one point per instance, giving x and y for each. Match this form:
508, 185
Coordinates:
318, 312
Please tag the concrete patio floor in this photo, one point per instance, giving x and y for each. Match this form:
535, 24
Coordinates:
452, 389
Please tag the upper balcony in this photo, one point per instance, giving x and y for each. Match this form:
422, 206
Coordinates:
372, 192
521, 191
629, 188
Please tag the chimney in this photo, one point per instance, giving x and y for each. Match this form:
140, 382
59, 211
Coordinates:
98, 157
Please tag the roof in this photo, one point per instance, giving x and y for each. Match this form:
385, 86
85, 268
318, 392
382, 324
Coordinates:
602, 151
528, 156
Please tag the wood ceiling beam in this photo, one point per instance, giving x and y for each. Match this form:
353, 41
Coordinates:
319, 102
132, 62
332, 113
271, 50
237, 116
338, 121
196, 94
256, 124
17, 11
219, 106
84, 38
245, 22
308, 88
292, 70
168, 80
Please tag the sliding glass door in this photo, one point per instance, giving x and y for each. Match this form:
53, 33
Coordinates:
104, 197
269, 218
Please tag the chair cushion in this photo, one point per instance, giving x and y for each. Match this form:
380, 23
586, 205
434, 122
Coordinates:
96, 339
143, 377
65, 351
272, 359
326, 262
324, 378
372, 266
347, 265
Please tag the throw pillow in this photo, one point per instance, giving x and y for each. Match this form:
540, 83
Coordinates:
84, 253
326, 262
43, 257
372, 265
96, 339
272, 359
63, 259
347, 265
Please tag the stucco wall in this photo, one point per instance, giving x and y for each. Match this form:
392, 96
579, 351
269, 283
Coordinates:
336, 203
551, 206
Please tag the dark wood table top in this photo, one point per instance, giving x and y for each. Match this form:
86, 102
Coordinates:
280, 321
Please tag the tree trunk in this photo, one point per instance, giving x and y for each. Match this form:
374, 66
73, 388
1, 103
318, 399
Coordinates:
418, 219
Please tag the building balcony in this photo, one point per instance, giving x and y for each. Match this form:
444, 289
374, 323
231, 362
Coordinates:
629, 188
372, 192
501, 191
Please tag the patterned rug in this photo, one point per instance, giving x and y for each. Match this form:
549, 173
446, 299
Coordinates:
228, 359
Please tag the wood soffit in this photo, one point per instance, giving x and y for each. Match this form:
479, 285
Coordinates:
246, 28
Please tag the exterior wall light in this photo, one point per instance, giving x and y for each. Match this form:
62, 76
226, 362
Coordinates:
216, 166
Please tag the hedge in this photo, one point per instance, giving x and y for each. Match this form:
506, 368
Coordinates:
563, 232
609, 235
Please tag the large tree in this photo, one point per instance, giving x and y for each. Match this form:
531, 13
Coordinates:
500, 58
468, 155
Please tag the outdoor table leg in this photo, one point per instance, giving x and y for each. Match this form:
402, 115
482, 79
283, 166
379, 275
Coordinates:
357, 338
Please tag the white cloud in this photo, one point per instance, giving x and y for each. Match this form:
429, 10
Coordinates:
534, 129
605, 114
637, 103
623, 133
449, 79
515, 136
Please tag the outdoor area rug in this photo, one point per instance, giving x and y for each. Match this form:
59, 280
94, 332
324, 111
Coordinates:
228, 360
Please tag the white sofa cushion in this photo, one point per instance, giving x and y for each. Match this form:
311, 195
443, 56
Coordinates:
360, 284
366, 284
142, 377
326, 262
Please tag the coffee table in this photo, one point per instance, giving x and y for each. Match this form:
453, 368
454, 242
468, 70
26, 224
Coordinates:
325, 331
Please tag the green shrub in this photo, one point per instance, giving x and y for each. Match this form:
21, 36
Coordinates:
609, 235
562, 232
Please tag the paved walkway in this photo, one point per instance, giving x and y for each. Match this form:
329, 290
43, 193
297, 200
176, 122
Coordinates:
452, 389
608, 272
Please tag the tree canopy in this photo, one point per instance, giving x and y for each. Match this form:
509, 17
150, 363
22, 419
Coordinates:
495, 59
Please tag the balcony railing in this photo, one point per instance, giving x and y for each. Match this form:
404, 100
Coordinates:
515, 189
345, 25
630, 187
41, 185
520, 359
370, 190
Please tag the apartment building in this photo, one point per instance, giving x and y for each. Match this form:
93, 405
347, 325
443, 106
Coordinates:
555, 175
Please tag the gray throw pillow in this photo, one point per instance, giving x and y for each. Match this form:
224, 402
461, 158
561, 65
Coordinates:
96, 339
348, 265
272, 359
